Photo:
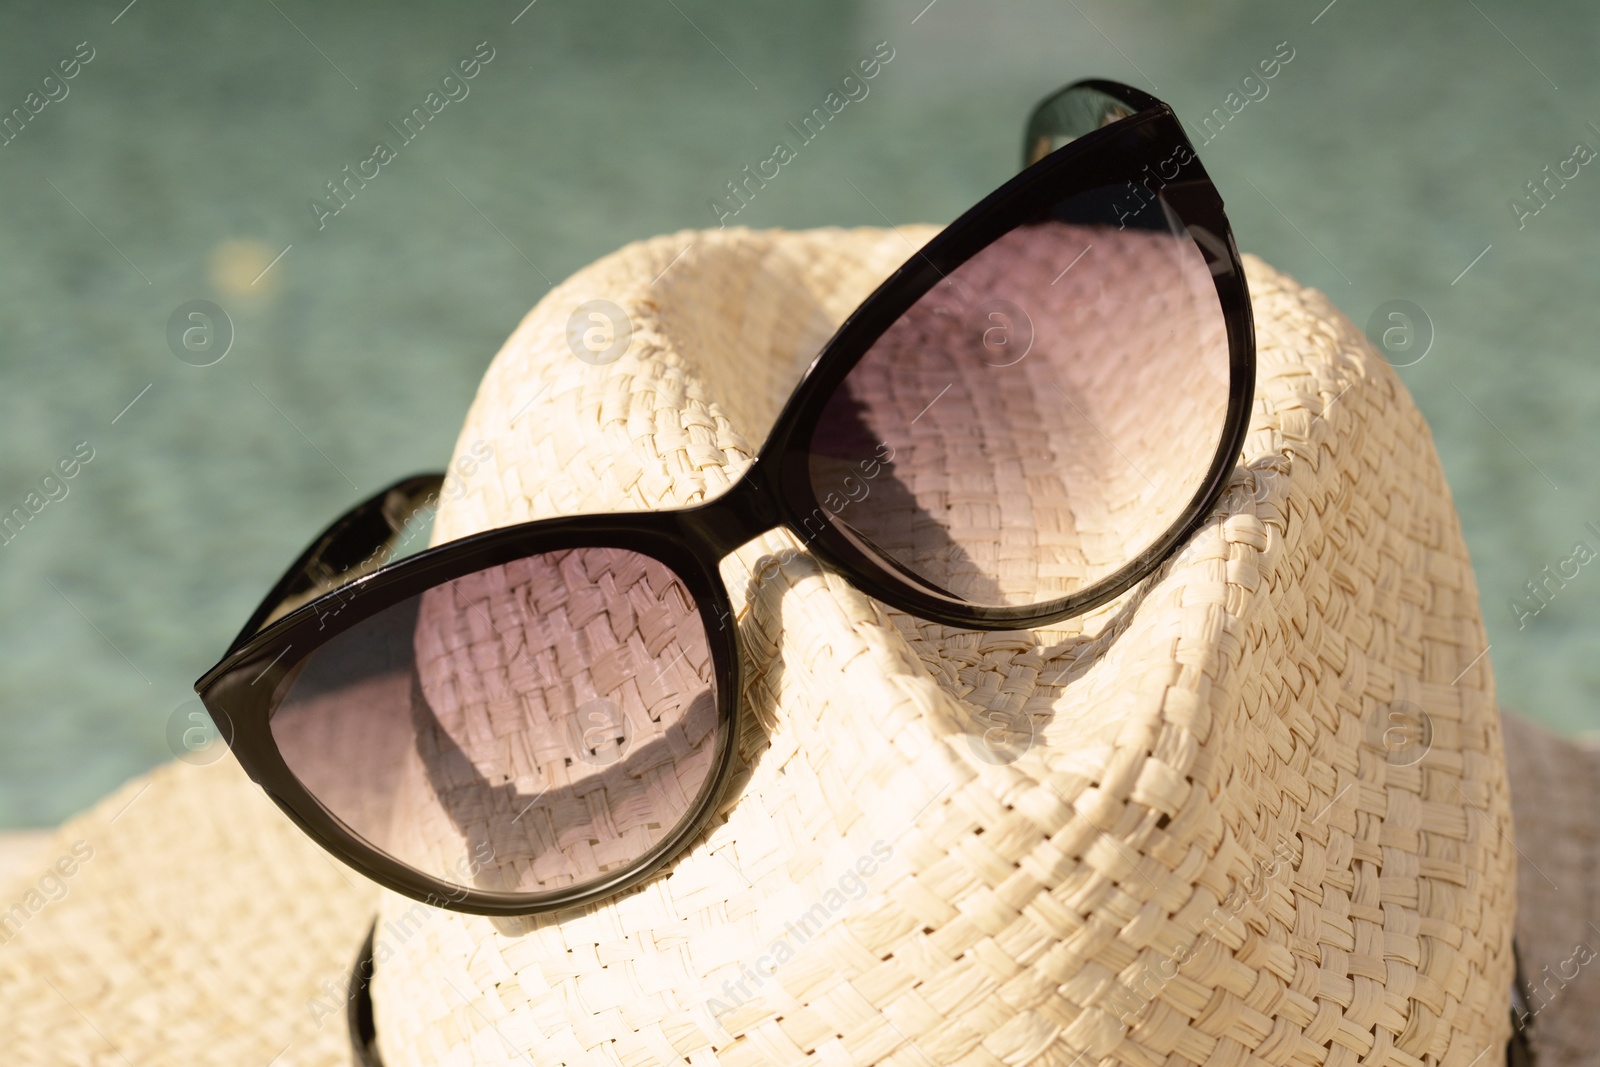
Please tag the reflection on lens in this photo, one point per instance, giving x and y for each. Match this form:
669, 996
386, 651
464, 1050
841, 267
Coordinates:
526, 728
1041, 415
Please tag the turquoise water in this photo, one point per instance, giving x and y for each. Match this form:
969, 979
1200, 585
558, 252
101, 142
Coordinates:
181, 158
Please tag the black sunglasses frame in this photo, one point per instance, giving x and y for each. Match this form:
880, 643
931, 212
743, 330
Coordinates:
243, 689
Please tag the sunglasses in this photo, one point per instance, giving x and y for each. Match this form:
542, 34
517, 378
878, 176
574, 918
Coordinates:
1020, 424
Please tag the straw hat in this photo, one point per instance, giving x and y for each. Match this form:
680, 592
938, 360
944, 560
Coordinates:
1256, 810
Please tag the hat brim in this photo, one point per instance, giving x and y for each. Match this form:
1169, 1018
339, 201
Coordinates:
183, 920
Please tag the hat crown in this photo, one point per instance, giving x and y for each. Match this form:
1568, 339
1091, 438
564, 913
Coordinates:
1258, 801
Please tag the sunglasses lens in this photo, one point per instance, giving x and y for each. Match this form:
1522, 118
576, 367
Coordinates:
528, 728
1043, 414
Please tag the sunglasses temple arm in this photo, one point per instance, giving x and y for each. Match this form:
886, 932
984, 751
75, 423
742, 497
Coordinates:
359, 542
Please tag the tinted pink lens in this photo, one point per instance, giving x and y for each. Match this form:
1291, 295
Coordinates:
526, 728
1042, 415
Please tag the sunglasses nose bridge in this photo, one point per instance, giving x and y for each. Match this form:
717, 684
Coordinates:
747, 510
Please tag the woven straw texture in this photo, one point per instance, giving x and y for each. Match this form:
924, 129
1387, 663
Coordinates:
1255, 811
182, 921
511, 766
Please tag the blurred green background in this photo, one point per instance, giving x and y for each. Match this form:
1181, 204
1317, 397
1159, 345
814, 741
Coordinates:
183, 156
